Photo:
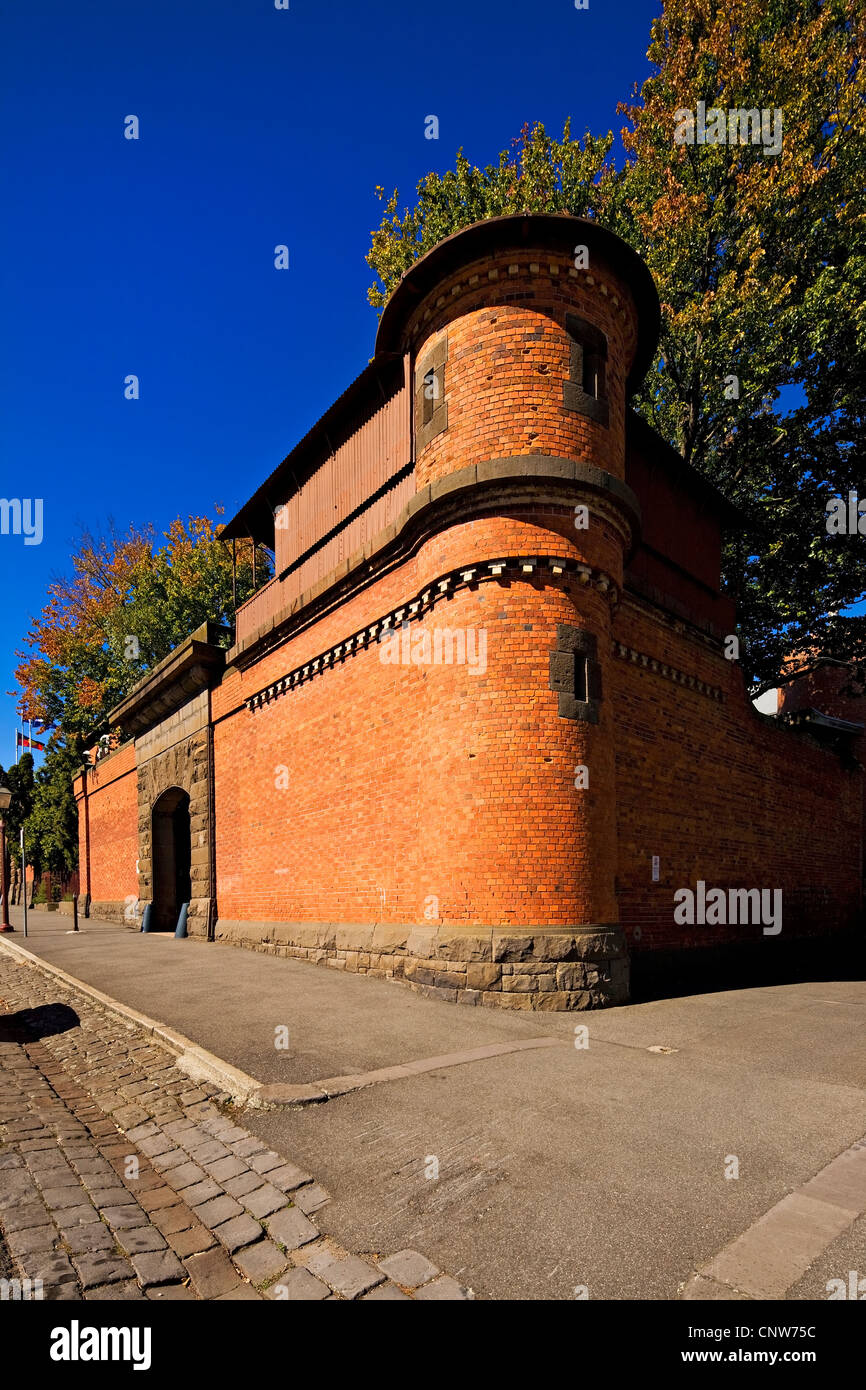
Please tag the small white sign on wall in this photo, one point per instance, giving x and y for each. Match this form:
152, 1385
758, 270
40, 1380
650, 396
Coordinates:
655, 868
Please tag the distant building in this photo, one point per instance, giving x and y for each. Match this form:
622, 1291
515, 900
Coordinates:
480, 727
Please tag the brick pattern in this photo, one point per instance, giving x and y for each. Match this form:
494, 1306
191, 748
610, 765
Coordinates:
830, 690
399, 759
509, 353
443, 588
108, 833
732, 800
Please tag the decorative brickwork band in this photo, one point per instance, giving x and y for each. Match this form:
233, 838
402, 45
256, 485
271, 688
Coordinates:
522, 566
668, 672
472, 489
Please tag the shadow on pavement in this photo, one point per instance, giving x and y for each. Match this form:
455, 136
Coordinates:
672, 974
27, 1025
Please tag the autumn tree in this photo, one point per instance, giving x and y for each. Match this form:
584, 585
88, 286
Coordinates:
127, 602
760, 260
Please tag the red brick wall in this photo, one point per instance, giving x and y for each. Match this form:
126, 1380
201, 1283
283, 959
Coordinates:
507, 361
406, 782
822, 690
674, 524
722, 796
680, 550
112, 815
420, 782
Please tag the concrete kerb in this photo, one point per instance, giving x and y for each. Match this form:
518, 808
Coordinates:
196, 1062
201, 1065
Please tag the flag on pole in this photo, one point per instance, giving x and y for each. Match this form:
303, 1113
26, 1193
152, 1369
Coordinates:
27, 741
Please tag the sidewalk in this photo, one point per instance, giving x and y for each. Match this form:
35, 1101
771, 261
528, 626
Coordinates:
525, 1166
231, 1001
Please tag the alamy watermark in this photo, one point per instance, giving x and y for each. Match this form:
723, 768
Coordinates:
22, 516
846, 518
446, 646
17, 1290
77, 1343
736, 906
738, 126
854, 1289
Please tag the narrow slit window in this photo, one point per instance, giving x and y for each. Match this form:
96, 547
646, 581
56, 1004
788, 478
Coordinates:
593, 373
431, 410
585, 391
575, 674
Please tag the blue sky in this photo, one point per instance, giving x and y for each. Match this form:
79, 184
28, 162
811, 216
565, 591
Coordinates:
156, 257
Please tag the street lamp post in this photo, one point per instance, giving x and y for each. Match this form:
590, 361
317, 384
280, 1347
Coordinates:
5, 803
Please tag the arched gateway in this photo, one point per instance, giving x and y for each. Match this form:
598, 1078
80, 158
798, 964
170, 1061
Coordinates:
172, 847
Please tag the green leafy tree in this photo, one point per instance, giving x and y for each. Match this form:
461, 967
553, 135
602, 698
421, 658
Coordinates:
760, 263
20, 781
760, 260
538, 174
52, 827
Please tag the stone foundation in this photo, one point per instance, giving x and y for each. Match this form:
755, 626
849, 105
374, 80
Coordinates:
107, 911
555, 969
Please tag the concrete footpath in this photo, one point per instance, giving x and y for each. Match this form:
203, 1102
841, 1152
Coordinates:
686, 1151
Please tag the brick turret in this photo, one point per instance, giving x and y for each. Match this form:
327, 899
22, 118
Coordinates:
521, 368
480, 729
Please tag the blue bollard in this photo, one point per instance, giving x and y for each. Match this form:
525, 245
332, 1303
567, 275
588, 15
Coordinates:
180, 929
145, 921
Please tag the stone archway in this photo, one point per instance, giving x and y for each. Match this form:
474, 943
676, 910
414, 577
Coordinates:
171, 847
167, 763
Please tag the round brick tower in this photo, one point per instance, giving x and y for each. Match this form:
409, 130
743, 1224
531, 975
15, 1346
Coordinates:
526, 335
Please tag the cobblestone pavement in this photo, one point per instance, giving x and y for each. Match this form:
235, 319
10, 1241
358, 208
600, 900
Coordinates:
120, 1178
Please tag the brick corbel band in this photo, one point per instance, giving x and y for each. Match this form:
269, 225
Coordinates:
521, 566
